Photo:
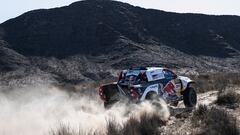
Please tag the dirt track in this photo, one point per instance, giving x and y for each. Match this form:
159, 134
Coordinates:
36, 110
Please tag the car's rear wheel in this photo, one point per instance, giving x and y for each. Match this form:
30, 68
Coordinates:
190, 97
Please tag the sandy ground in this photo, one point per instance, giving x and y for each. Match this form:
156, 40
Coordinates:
37, 110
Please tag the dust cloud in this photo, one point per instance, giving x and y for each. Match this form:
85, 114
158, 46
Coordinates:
39, 109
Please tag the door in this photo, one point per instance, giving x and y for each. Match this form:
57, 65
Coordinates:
171, 84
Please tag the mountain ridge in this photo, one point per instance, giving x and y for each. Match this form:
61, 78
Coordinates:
115, 19
94, 38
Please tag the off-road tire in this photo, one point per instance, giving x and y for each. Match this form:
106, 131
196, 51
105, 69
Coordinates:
190, 97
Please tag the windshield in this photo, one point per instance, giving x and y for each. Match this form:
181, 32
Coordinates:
132, 77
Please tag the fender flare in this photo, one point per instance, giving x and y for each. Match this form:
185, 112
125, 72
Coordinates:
190, 83
143, 97
185, 81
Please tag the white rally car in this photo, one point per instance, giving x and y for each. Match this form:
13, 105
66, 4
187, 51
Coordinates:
138, 84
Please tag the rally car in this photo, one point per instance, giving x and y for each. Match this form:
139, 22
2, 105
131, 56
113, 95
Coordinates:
150, 83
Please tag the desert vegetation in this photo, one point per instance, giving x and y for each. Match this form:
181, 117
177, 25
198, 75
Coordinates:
204, 121
214, 121
52, 62
211, 120
230, 99
146, 124
215, 81
74, 104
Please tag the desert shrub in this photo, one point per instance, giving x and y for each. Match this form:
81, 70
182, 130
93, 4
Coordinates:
228, 98
131, 127
62, 130
147, 125
214, 121
113, 128
199, 115
65, 129
215, 81
234, 78
205, 82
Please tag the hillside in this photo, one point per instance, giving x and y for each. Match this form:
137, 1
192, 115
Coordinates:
89, 40
53, 61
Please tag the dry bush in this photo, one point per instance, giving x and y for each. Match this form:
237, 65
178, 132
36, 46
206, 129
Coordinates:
148, 124
230, 99
214, 121
62, 130
199, 115
234, 78
131, 127
215, 81
113, 128
65, 129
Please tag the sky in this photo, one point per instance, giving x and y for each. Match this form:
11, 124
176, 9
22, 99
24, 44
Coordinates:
13, 8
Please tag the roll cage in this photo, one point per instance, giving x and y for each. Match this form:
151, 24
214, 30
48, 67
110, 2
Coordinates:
142, 75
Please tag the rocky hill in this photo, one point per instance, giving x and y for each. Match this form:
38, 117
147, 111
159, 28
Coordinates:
89, 40
52, 61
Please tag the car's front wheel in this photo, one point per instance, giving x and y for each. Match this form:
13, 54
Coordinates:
190, 97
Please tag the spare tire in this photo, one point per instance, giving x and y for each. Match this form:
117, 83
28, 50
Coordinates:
190, 97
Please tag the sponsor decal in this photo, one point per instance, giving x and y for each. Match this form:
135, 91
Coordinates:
169, 88
153, 87
178, 85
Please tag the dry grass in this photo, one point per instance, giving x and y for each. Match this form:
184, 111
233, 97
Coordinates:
215, 81
113, 128
210, 121
199, 114
65, 129
148, 124
214, 121
230, 99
